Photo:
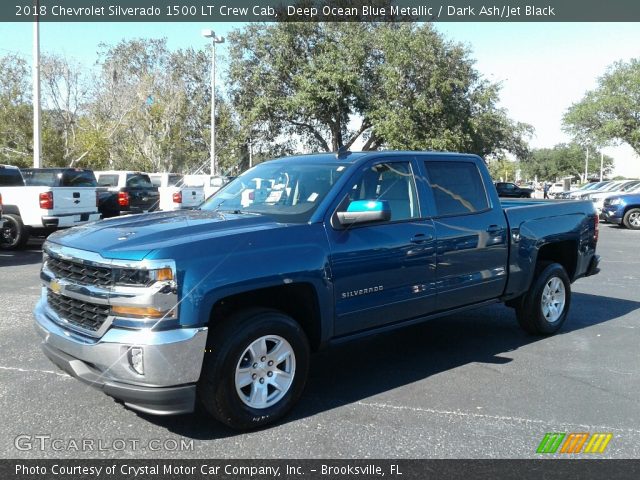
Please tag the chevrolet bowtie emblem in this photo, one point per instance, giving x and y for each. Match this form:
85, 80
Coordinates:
55, 286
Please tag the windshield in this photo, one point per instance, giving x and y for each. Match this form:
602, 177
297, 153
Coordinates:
630, 186
289, 192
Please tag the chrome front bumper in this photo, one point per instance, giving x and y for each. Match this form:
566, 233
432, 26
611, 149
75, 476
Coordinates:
172, 362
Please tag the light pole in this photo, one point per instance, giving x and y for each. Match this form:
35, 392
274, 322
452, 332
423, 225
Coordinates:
601, 165
211, 34
36, 90
586, 164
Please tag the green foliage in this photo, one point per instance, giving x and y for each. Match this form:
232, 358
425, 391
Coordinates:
291, 87
561, 161
502, 169
15, 112
611, 112
399, 86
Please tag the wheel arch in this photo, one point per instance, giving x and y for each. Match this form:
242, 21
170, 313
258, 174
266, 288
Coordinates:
297, 300
564, 252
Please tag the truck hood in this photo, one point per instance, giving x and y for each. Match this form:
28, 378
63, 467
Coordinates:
134, 236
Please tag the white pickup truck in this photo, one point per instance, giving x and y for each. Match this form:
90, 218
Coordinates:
174, 194
211, 183
50, 199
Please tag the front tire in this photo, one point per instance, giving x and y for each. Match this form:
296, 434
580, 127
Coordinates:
545, 307
631, 219
14, 234
255, 368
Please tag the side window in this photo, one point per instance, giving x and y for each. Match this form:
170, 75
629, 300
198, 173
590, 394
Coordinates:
10, 177
156, 181
392, 182
457, 187
108, 180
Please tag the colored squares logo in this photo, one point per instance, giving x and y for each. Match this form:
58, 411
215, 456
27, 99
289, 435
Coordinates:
574, 443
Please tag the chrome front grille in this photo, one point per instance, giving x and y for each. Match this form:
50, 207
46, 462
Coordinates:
80, 273
85, 315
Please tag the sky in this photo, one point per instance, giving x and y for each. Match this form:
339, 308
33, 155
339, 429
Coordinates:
543, 67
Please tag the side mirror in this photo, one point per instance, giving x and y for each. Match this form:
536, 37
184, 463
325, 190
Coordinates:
365, 211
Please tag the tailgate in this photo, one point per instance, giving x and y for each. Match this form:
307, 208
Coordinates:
192, 196
143, 198
74, 200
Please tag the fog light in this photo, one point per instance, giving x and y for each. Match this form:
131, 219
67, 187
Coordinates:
136, 359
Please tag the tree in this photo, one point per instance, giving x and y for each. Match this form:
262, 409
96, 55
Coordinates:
610, 113
65, 94
16, 130
563, 160
329, 85
502, 169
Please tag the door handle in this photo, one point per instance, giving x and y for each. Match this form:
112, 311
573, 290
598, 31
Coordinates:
421, 238
495, 229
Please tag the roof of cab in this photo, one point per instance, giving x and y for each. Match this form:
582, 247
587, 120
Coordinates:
357, 157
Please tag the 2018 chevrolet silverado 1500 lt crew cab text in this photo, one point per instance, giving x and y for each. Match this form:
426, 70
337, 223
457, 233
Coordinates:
224, 304
40, 208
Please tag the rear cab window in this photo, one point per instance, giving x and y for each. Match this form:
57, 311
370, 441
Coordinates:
108, 180
457, 187
10, 177
78, 178
175, 180
42, 178
139, 180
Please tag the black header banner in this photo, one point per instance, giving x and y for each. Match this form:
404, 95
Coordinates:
583, 469
315, 10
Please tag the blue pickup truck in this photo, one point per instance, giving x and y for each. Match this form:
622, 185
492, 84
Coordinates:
224, 304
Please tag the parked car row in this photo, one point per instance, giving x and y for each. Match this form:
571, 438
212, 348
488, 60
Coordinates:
616, 201
38, 201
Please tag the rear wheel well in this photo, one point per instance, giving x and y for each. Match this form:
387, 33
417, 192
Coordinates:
297, 300
565, 253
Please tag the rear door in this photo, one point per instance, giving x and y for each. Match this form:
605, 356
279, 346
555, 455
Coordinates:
143, 195
471, 233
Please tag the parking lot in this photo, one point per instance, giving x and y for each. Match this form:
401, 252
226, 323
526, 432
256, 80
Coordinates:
466, 386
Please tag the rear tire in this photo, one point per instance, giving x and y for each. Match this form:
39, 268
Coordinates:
14, 234
631, 219
544, 308
255, 368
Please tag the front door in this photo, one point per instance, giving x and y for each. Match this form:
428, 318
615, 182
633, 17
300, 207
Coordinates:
384, 272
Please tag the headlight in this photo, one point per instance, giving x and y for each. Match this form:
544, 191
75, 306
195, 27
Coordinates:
140, 277
615, 201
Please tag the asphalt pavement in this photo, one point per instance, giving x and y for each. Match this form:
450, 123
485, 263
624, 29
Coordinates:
471, 385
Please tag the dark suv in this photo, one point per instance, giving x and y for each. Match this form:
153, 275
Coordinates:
511, 190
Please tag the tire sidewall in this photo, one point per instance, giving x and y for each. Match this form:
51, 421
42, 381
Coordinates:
541, 323
20, 232
220, 370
